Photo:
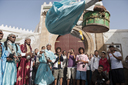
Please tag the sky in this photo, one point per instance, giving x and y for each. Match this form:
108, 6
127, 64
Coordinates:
26, 13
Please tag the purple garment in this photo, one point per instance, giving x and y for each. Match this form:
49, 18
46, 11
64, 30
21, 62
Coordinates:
71, 61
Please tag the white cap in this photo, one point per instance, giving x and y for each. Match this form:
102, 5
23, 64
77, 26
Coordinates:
27, 38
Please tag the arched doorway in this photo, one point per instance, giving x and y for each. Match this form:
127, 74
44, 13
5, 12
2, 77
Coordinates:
68, 41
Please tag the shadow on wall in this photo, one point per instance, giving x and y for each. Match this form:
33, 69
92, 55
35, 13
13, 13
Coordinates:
119, 38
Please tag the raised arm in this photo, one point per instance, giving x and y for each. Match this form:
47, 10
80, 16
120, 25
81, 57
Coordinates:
68, 55
119, 57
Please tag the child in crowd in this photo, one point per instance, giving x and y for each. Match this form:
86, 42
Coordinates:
58, 66
81, 61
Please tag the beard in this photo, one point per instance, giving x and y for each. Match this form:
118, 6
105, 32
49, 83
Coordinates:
1, 37
28, 44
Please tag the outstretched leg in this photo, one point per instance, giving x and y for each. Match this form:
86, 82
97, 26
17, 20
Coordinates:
89, 3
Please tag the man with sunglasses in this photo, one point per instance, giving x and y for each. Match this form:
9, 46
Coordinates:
23, 73
14, 51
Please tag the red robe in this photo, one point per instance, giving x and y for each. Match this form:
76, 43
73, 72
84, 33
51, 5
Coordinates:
23, 71
105, 64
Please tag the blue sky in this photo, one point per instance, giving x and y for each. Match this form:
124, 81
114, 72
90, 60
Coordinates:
26, 13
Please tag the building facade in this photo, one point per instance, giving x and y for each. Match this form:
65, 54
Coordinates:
92, 41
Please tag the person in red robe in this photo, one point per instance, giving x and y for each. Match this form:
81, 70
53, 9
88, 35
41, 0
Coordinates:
23, 70
104, 62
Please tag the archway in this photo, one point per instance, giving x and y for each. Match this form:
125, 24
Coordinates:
68, 41
88, 42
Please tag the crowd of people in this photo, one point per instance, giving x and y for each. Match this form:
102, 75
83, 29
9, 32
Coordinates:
19, 65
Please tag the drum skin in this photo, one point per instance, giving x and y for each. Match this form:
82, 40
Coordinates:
96, 22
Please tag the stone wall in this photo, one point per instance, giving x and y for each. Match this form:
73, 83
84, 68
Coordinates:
119, 37
21, 35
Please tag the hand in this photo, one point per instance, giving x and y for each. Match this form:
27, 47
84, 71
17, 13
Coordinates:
11, 59
30, 53
108, 82
80, 60
8, 59
107, 73
15, 56
19, 56
112, 54
48, 61
33, 63
108, 54
73, 53
95, 83
41, 52
68, 53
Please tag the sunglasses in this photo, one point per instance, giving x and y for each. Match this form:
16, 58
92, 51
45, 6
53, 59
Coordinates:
1, 33
13, 36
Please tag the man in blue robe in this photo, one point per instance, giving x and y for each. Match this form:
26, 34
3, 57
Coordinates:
3, 55
44, 74
10, 73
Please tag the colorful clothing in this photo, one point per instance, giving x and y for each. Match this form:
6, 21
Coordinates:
105, 64
4, 54
58, 64
10, 73
95, 63
44, 74
58, 67
23, 73
81, 66
71, 61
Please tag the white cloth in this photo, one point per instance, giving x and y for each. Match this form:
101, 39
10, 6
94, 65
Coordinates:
115, 64
64, 61
88, 2
95, 63
56, 64
88, 65
50, 55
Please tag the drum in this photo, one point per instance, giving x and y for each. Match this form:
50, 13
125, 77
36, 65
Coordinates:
96, 21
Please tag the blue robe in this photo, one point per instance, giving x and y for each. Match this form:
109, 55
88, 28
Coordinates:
63, 16
2, 63
10, 74
44, 74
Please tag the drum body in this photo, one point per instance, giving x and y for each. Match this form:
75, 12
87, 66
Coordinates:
96, 22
